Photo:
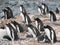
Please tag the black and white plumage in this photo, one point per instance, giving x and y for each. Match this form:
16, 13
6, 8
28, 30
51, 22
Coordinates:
40, 10
39, 24
5, 13
45, 8
8, 32
17, 25
8, 13
33, 31
13, 31
24, 15
50, 33
52, 16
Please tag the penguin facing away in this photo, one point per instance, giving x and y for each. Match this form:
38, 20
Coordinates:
5, 13
52, 16
57, 10
10, 13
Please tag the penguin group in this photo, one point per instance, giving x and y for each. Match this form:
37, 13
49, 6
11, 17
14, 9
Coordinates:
40, 32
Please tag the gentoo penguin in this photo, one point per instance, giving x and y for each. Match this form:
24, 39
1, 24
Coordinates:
13, 32
17, 25
40, 10
33, 31
39, 24
52, 16
25, 16
7, 33
10, 13
57, 10
50, 33
45, 8
5, 13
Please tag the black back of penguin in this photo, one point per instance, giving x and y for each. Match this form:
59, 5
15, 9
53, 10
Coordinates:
5, 13
36, 30
52, 15
45, 10
39, 23
51, 29
17, 24
10, 13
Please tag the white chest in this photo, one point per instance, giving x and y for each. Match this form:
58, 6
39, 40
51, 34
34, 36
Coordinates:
39, 10
22, 16
43, 6
47, 33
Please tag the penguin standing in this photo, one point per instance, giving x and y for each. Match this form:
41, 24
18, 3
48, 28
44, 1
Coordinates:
40, 10
45, 8
52, 16
57, 10
5, 13
50, 33
25, 16
10, 13
39, 24
33, 31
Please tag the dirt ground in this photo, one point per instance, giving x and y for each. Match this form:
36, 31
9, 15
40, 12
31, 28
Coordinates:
30, 41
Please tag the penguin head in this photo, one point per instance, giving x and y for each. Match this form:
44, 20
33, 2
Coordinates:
39, 8
21, 8
43, 5
5, 11
50, 13
8, 8
57, 10
36, 19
